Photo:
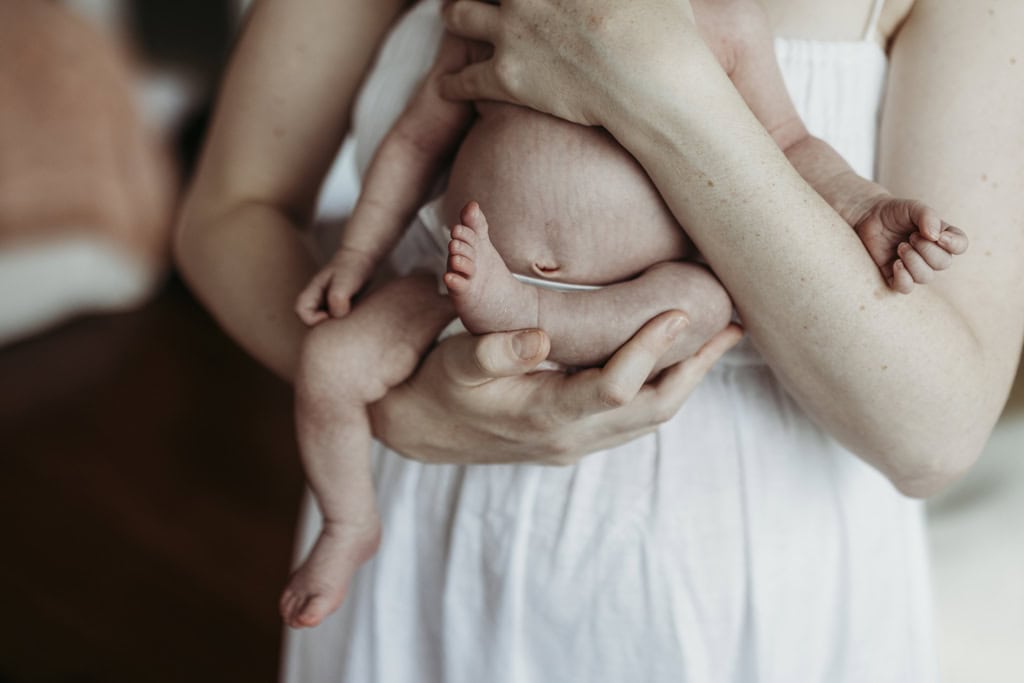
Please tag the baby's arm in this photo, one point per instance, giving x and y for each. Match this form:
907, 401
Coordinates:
406, 164
906, 239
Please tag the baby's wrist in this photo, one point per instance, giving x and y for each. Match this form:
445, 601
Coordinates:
857, 207
355, 259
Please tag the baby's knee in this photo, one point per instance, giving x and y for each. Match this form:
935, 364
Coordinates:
339, 365
700, 295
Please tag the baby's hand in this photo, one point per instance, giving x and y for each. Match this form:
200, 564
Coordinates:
908, 241
330, 292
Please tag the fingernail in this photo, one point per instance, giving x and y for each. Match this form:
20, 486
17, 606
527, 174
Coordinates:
945, 239
526, 344
675, 326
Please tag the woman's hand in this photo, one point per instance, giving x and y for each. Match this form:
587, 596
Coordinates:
475, 399
575, 59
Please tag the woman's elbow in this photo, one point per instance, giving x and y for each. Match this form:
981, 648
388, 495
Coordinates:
920, 473
190, 240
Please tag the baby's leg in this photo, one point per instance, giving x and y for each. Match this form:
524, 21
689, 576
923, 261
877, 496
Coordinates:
347, 364
585, 327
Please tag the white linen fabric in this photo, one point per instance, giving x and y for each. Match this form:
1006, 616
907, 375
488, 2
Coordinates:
739, 543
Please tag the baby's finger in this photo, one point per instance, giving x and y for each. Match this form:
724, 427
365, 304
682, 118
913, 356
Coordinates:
309, 303
472, 19
934, 255
475, 82
902, 281
315, 318
953, 239
918, 268
305, 309
339, 300
926, 219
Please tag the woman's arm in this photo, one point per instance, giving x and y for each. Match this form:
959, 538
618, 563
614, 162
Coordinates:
282, 113
280, 119
911, 384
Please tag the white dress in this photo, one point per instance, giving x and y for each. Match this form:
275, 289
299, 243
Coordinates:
739, 543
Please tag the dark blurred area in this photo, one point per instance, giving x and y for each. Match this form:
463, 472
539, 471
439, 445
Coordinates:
149, 492
190, 34
150, 481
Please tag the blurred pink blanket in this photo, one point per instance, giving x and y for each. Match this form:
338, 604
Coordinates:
86, 191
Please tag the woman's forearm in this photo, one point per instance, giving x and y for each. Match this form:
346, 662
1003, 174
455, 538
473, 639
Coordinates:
912, 384
279, 121
860, 359
246, 263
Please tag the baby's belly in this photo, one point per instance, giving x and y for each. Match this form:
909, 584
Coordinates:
563, 201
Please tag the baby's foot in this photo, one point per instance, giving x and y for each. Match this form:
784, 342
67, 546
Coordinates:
486, 295
320, 583
908, 241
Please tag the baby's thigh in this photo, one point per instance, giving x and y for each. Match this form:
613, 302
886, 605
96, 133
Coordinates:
379, 343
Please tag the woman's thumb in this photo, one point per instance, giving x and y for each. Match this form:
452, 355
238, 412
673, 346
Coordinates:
473, 360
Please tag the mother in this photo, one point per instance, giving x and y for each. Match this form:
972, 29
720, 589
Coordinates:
760, 533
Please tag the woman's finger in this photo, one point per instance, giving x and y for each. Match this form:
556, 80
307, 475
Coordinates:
472, 361
472, 19
618, 382
665, 397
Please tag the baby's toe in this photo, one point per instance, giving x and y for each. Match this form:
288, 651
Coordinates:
474, 218
313, 611
462, 265
457, 247
465, 234
291, 609
286, 605
456, 284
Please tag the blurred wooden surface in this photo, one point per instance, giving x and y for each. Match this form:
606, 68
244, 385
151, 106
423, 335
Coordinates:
149, 484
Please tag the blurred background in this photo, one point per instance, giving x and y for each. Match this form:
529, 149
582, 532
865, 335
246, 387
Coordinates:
149, 480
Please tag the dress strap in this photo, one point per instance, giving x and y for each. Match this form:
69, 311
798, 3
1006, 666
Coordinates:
871, 30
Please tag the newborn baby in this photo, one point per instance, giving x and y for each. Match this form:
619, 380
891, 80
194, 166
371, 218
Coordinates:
566, 206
